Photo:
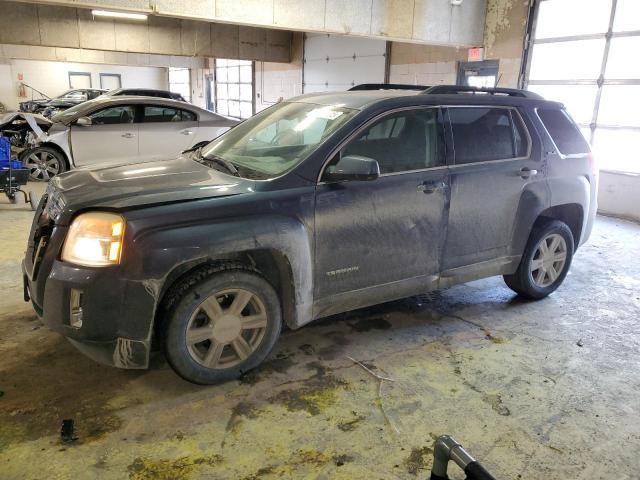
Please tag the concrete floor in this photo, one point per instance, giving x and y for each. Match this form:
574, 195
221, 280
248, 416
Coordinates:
507, 378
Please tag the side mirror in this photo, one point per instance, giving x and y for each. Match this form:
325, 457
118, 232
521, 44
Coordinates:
83, 122
353, 167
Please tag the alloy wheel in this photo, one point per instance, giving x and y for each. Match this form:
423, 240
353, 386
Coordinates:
42, 165
226, 328
548, 260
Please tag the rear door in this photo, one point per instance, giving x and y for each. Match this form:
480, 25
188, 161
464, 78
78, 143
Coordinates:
492, 165
381, 232
166, 131
111, 137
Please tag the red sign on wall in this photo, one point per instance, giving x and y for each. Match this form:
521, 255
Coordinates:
475, 54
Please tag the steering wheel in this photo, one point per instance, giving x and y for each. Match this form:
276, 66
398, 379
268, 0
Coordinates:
281, 135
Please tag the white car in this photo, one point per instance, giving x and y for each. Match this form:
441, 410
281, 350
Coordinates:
123, 129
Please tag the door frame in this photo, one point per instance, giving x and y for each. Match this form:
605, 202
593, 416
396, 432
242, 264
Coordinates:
490, 67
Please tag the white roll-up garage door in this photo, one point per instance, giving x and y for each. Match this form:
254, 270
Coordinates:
333, 62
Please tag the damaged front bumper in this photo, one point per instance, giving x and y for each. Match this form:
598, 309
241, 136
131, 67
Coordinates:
25, 128
106, 316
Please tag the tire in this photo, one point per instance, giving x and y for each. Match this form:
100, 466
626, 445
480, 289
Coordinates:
220, 348
34, 200
43, 163
536, 283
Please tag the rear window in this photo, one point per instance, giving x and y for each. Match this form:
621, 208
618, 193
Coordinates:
563, 131
484, 133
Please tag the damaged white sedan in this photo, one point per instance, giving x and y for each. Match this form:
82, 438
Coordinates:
116, 130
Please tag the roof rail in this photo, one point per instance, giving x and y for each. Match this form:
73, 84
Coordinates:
456, 89
388, 86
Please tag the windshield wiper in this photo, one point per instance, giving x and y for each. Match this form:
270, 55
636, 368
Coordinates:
226, 164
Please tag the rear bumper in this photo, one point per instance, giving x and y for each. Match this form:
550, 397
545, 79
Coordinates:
117, 314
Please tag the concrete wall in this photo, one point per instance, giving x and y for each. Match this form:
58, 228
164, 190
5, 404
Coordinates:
619, 195
106, 61
425, 21
424, 64
279, 81
54, 26
52, 78
504, 32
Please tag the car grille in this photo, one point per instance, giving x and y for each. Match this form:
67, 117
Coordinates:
41, 229
55, 203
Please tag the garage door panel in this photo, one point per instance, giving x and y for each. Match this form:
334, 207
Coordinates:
321, 46
337, 63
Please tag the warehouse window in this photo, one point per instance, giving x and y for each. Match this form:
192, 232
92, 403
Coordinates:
586, 65
234, 88
180, 82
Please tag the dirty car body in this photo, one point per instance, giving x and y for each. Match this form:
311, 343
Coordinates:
437, 213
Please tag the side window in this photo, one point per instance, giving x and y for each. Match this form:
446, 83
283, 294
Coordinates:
188, 116
403, 141
157, 114
483, 133
563, 131
113, 115
75, 95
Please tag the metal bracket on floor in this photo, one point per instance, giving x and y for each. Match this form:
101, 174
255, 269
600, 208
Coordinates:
447, 448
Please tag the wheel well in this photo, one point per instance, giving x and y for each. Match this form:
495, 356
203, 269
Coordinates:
570, 213
272, 265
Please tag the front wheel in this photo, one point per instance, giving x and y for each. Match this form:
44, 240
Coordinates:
545, 262
222, 326
43, 163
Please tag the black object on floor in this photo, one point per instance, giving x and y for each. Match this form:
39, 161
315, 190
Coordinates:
67, 432
447, 448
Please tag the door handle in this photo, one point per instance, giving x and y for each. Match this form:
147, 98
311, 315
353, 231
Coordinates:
431, 187
128, 135
527, 172
186, 132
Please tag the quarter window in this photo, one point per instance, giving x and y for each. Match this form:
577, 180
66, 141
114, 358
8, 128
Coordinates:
113, 115
167, 114
563, 131
482, 134
403, 141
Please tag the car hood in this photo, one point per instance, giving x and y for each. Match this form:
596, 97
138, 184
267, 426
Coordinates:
41, 101
139, 184
64, 103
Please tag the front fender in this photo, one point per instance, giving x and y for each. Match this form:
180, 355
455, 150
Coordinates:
159, 252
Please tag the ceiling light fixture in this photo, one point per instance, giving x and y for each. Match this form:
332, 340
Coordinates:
127, 16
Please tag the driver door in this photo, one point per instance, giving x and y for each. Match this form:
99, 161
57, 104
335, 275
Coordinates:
112, 137
382, 239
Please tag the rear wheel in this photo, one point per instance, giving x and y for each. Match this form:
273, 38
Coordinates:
545, 262
43, 163
222, 326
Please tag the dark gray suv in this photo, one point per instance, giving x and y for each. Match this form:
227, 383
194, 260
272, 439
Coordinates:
318, 205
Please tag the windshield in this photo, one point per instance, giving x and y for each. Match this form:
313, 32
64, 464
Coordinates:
277, 139
69, 112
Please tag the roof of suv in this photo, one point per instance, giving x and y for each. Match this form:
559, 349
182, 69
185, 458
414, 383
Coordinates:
451, 95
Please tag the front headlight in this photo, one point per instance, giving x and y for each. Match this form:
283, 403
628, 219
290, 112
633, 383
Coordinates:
94, 240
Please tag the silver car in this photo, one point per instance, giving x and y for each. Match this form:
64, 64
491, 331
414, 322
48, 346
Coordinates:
119, 130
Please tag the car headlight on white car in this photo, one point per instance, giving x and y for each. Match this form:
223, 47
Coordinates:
94, 240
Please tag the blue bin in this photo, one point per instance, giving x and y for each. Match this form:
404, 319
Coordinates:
5, 150
15, 164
